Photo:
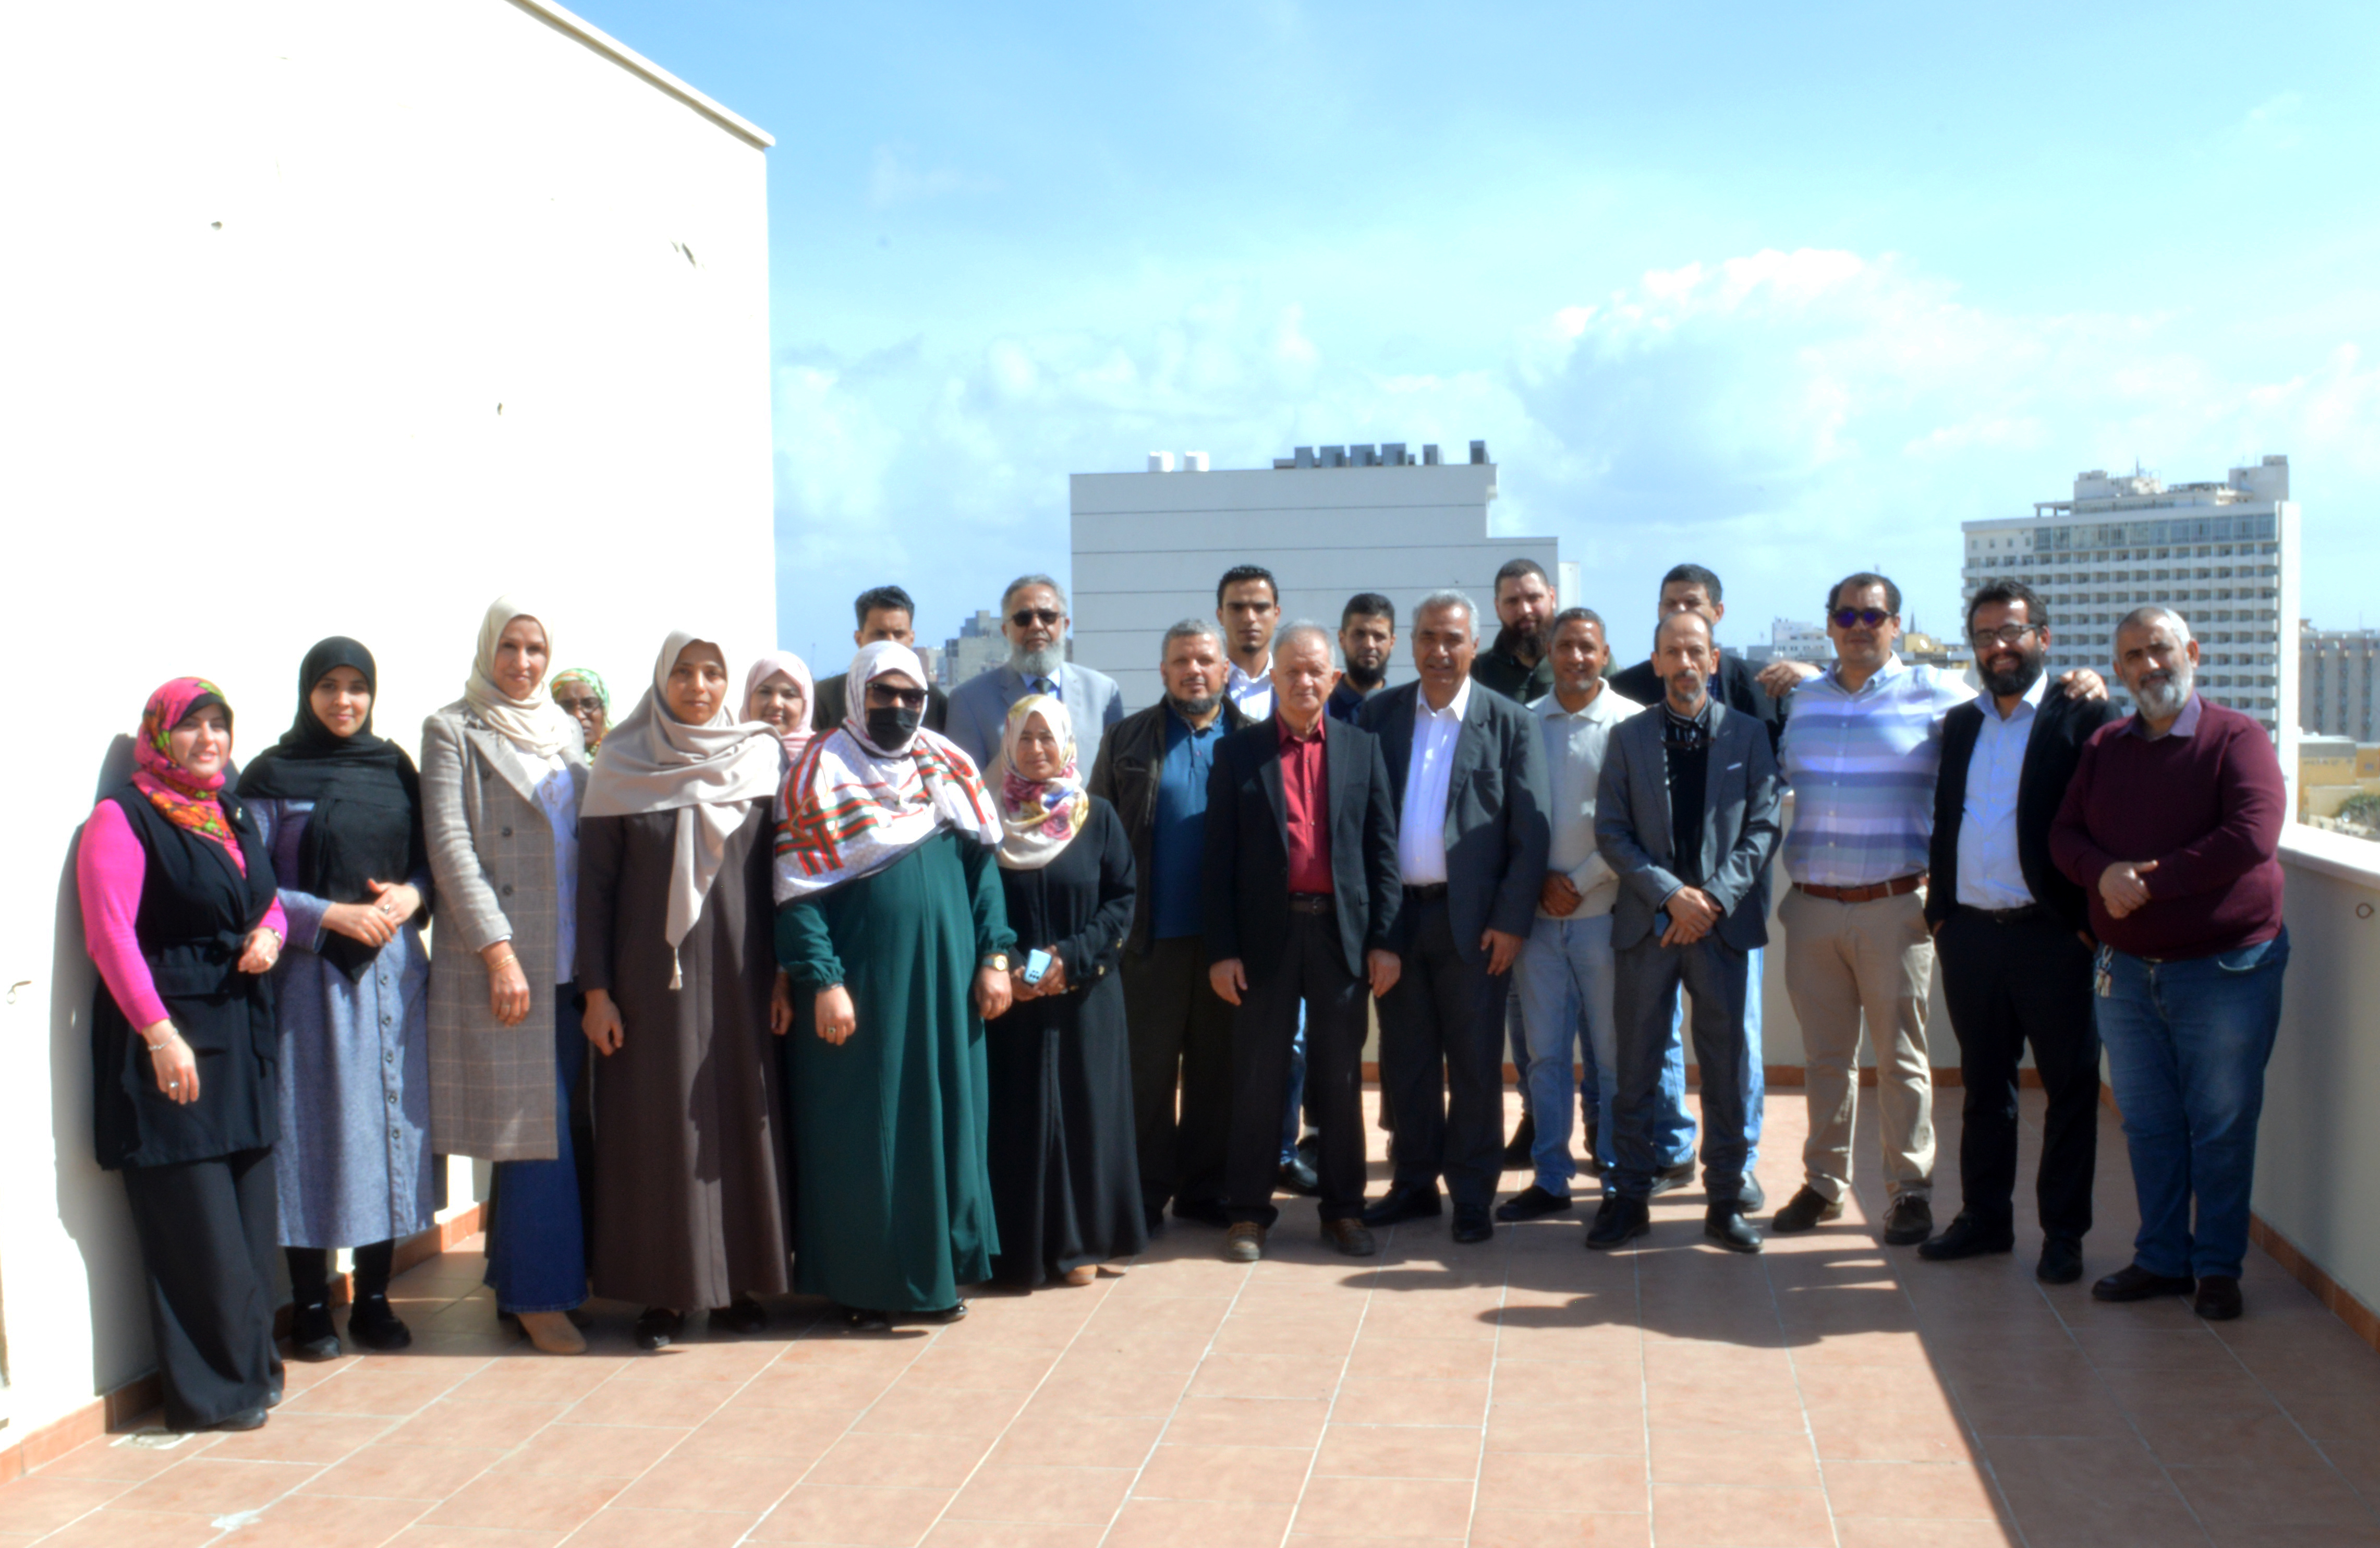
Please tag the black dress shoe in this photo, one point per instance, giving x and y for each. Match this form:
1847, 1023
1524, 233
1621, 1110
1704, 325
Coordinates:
1404, 1202
1297, 1177
1531, 1203
1518, 1155
1805, 1211
374, 1326
1670, 1179
1472, 1224
740, 1315
946, 1316
1617, 1221
2218, 1298
1909, 1220
312, 1337
1309, 1147
2061, 1261
657, 1326
247, 1418
1725, 1224
1206, 1211
2134, 1283
1750, 1197
860, 1319
1967, 1237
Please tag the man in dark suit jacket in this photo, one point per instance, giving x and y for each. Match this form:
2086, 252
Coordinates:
1468, 770
1736, 684
885, 613
2012, 933
1301, 904
1686, 813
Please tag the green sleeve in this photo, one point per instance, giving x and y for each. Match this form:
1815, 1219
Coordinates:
805, 947
988, 898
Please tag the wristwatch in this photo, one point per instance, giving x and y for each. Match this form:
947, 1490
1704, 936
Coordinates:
996, 961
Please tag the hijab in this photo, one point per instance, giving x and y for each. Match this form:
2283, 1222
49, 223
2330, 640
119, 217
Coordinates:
792, 666
534, 724
851, 808
365, 826
1037, 817
190, 801
594, 679
653, 761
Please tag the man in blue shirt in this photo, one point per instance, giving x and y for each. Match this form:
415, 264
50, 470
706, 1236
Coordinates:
1152, 768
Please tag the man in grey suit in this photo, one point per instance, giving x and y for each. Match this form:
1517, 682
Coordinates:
1686, 815
1033, 619
1467, 767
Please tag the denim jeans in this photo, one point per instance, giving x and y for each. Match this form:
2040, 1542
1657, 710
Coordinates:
537, 1249
1756, 1077
2187, 1042
1295, 1101
1565, 979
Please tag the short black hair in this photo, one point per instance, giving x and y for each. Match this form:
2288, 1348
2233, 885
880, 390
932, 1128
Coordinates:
2010, 591
1861, 582
882, 599
1238, 573
1515, 568
1694, 575
1578, 615
1369, 604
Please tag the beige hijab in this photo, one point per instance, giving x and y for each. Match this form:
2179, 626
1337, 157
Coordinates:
536, 725
709, 775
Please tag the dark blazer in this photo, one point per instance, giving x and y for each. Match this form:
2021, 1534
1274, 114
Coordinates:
1497, 831
1131, 760
1740, 830
2060, 727
1737, 688
1246, 881
834, 698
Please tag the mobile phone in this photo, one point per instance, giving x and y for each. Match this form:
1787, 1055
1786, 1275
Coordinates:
1037, 963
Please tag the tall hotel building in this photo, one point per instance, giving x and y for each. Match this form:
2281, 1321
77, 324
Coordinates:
2224, 555
2338, 682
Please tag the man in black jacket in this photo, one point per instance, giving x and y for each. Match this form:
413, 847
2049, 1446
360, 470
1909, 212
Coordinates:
1300, 903
1692, 589
2012, 934
1153, 768
884, 613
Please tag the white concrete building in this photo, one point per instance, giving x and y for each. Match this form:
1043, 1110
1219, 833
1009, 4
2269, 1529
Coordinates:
2224, 555
2338, 681
330, 320
1791, 639
1150, 547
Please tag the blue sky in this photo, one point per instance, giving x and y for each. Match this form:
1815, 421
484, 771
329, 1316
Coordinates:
1785, 290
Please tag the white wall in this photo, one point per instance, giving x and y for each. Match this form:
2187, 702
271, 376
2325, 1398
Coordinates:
273, 269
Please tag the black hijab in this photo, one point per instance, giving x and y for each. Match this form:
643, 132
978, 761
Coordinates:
366, 820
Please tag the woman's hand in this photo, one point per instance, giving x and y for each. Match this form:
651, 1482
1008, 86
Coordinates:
600, 1022
992, 995
395, 901
507, 985
262, 951
1018, 990
835, 1018
359, 921
781, 1004
1053, 978
176, 1067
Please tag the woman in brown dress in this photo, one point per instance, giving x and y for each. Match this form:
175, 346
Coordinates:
674, 956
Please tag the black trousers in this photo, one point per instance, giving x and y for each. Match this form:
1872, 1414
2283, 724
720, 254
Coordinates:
2009, 983
208, 1233
1646, 979
310, 1272
1313, 971
1443, 1062
1180, 1032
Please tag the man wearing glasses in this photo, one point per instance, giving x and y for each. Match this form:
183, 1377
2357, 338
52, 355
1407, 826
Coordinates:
2014, 934
1033, 619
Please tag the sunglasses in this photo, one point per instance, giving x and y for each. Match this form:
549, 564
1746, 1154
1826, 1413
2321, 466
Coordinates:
571, 705
2007, 634
1025, 617
1852, 617
908, 698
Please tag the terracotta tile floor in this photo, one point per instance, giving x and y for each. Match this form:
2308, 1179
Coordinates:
1518, 1393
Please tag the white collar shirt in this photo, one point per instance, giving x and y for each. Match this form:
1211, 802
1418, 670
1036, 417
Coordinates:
1421, 826
1252, 694
1575, 745
1989, 874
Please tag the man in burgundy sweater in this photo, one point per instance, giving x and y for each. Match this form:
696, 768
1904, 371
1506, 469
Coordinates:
2172, 826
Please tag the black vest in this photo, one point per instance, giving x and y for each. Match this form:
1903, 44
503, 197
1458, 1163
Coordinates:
196, 912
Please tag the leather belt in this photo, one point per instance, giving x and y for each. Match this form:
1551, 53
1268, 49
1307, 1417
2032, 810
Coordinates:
2007, 916
1898, 886
1311, 903
1430, 892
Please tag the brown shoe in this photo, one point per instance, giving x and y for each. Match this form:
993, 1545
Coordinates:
1243, 1243
553, 1331
1350, 1237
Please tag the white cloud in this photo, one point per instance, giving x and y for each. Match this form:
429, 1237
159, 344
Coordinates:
891, 180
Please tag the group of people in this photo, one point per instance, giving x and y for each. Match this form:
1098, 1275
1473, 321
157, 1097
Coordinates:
892, 992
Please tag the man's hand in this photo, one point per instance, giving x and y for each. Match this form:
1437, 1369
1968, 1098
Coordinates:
600, 1022
1503, 948
1781, 678
1557, 897
1385, 968
1692, 914
2120, 887
2083, 683
1230, 980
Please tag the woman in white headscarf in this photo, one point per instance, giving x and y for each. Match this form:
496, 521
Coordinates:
502, 770
778, 689
674, 923
890, 921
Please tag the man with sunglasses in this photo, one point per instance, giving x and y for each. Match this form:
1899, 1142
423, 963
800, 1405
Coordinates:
1033, 620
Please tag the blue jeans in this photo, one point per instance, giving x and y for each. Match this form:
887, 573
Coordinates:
1756, 1077
2186, 1042
537, 1249
1296, 1098
1566, 981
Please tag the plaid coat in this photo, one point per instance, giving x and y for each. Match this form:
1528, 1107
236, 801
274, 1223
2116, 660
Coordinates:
492, 861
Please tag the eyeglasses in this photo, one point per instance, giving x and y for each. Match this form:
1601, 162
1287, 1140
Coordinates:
1025, 617
572, 704
1852, 617
2007, 634
908, 698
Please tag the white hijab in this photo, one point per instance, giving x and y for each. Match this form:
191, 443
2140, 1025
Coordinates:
534, 724
709, 775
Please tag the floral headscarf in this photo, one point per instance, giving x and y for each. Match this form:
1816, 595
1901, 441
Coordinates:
187, 800
1037, 818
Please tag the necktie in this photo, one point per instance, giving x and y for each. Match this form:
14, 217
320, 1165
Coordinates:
1043, 685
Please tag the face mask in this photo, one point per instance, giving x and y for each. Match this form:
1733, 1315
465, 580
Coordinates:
892, 726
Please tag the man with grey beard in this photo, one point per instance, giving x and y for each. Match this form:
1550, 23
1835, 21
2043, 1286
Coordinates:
1033, 619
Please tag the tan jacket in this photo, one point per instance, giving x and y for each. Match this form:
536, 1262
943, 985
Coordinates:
492, 861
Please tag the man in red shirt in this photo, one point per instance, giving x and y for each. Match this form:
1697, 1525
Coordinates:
1301, 893
2172, 826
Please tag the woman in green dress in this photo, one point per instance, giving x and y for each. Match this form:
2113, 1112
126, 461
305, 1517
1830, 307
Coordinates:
890, 921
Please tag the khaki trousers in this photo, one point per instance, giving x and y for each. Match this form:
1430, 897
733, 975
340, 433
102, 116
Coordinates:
1843, 960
